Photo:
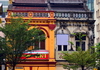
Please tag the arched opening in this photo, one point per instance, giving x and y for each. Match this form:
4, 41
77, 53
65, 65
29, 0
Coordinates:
40, 43
62, 38
80, 39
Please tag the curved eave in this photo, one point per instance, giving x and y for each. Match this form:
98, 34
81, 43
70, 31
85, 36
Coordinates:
66, 5
30, 4
73, 3
89, 21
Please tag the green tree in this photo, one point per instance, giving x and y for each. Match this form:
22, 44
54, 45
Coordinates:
97, 49
80, 58
18, 38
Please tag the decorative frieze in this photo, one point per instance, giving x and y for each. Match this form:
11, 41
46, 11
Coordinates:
76, 15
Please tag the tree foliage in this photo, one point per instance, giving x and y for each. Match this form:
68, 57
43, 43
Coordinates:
97, 49
80, 58
19, 36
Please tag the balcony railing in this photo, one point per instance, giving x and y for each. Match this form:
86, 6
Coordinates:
32, 14
41, 14
73, 15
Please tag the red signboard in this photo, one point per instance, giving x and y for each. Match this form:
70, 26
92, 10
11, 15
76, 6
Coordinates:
37, 54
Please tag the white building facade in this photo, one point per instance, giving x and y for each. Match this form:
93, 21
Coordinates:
97, 22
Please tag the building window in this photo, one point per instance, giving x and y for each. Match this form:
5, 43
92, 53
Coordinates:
80, 42
40, 44
62, 47
59, 47
97, 13
62, 42
98, 40
98, 27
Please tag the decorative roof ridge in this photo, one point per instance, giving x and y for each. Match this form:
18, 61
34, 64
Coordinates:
67, 1
30, 1
29, 5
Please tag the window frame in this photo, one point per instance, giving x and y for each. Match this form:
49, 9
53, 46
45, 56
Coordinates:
83, 40
62, 45
62, 48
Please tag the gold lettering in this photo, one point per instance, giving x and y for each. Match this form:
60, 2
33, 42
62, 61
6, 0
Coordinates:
35, 56
44, 55
38, 56
41, 56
